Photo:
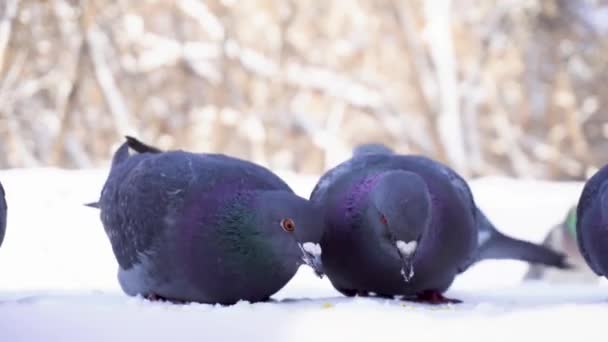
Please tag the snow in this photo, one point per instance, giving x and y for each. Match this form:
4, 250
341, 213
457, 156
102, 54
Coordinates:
58, 280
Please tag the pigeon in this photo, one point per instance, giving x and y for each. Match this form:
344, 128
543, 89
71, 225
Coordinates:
562, 237
2, 214
592, 222
406, 225
205, 228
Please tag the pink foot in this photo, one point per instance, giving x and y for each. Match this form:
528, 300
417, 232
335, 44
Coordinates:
435, 298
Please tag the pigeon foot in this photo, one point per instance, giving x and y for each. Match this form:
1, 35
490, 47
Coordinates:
434, 298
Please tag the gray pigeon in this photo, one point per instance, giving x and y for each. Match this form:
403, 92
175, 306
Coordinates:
562, 237
2, 214
205, 228
406, 225
592, 220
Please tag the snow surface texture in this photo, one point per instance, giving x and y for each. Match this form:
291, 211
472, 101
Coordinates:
58, 281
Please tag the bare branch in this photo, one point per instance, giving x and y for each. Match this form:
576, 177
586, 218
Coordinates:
6, 27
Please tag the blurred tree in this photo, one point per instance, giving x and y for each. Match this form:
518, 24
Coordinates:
490, 87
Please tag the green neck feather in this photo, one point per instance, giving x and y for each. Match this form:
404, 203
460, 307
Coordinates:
241, 239
571, 223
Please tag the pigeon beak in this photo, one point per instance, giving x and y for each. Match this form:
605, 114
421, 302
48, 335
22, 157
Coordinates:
311, 255
406, 251
407, 269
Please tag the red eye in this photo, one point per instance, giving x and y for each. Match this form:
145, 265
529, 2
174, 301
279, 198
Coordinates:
288, 225
383, 220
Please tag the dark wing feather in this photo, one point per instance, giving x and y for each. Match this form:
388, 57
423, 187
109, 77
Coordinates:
140, 147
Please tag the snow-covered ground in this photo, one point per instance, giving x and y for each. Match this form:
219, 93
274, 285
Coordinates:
58, 281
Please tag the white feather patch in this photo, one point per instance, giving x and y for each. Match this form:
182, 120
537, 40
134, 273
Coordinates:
406, 248
312, 248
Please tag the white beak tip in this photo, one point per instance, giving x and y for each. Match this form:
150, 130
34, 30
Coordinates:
406, 248
312, 248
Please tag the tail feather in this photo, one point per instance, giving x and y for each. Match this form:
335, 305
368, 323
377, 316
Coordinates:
501, 246
92, 205
140, 147
492, 244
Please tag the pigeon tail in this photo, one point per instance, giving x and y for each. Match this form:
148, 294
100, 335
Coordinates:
496, 245
140, 147
92, 205
504, 247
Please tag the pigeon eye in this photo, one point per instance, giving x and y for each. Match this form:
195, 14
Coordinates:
383, 220
288, 225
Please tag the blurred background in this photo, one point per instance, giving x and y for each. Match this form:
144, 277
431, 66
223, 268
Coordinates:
510, 87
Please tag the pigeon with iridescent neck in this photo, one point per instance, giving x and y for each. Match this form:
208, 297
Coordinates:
2, 214
592, 222
406, 225
204, 227
395, 226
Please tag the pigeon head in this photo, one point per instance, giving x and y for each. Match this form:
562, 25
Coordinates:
296, 225
400, 208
